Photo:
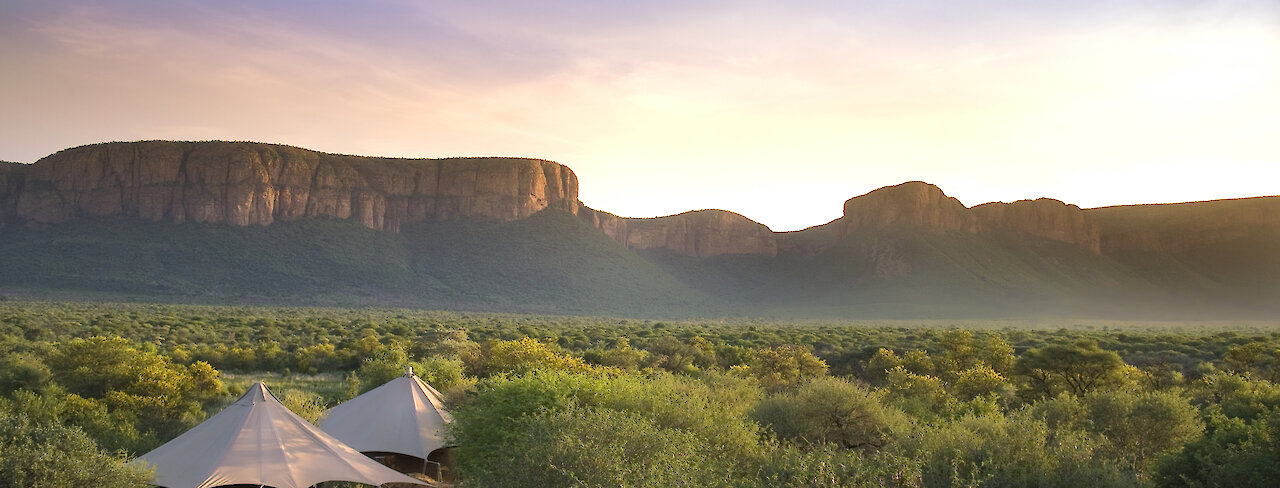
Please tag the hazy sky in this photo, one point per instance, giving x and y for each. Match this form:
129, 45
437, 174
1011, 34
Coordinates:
779, 110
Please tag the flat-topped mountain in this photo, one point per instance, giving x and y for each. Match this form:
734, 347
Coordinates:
232, 222
257, 184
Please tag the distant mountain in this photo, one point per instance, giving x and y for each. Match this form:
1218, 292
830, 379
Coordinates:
250, 222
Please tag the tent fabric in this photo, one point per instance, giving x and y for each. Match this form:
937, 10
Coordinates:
258, 441
403, 416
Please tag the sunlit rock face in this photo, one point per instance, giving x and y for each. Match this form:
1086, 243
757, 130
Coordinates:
1178, 227
915, 205
257, 184
701, 233
1044, 217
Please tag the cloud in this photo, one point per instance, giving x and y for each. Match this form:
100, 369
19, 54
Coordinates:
715, 102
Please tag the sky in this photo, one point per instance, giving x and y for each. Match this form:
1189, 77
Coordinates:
779, 111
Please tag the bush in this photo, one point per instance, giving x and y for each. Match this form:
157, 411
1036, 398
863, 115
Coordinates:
41, 454
832, 410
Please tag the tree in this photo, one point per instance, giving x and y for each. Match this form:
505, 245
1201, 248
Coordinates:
1236, 452
978, 381
22, 371
785, 366
958, 351
525, 355
581, 446
880, 363
1255, 359
46, 454
995, 450
137, 387
998, 354
1077, 368
1140, 427
621, 356
492, 427
920, 395
832, 410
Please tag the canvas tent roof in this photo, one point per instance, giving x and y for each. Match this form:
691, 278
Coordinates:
404, 416
258, 441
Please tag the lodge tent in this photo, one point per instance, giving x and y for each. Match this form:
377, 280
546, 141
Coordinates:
403, 416
258, 441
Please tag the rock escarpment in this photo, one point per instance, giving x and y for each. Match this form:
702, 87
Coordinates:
924, 207
11, 176
1178, 227
1044, 217
257, 184
914, 204
701, 233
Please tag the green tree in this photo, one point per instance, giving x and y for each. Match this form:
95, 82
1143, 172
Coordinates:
23, 371
920, 395
494, 421
136, 387
1139, 428
980, 380
1077, 368
1015, 451
998, 354
46, 454
832, 410
582, 446
785, 366
880, 363
524, 355
1236, 452
958, 351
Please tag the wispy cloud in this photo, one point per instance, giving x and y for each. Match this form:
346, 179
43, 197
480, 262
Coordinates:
717, 103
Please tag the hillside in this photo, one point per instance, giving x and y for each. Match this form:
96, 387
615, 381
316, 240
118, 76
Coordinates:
1224, 252
548, 262
248, 222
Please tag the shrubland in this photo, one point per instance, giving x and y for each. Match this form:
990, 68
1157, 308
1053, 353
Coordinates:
593, 401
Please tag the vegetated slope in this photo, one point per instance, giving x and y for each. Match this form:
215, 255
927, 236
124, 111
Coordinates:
550, 262
916, 274
1205, 254
216, 262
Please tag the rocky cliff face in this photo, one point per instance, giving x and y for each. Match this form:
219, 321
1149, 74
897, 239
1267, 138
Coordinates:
1178, 227
914, 204
920, 206
1044, 217
701, 233
256, 184
11, 176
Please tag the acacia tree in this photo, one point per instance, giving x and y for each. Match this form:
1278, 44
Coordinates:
1077, 368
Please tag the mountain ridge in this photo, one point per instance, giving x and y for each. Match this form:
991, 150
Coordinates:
907, 247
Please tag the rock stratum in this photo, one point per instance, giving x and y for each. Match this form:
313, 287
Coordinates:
700, 233
258, 184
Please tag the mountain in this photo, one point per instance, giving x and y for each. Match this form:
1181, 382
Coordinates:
252, 222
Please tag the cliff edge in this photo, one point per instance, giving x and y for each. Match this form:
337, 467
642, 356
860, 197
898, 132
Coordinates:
256, 184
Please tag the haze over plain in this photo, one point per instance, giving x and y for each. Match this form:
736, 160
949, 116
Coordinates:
776, 111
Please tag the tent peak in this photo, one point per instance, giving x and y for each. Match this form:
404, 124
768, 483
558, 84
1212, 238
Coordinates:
256, 394
408, 370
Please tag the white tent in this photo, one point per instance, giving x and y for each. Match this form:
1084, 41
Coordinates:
403, 416
258, 441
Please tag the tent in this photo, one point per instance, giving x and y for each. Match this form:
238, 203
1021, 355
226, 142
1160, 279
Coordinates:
258, 441
403, 416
